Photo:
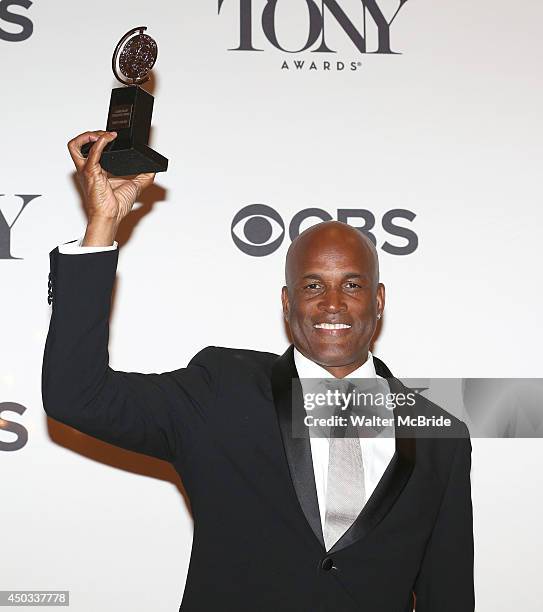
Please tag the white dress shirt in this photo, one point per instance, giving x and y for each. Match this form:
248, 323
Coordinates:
75, 248
376, 452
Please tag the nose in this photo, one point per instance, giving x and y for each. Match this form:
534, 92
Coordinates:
332, 301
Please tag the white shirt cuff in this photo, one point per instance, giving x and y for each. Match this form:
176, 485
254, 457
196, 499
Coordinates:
74, 247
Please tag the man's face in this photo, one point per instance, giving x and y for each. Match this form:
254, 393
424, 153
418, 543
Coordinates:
332, 300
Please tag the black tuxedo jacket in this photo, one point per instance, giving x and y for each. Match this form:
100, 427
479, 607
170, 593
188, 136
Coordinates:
224, 422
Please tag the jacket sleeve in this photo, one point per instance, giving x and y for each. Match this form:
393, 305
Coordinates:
445, 579
146, 413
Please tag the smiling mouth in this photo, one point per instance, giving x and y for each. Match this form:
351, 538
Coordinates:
332, 326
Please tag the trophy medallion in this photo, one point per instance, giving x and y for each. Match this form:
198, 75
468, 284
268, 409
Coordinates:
131, 109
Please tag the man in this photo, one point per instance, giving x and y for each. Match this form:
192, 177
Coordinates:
281, 523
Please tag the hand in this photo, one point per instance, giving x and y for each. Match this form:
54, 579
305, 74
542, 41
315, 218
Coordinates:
107, 199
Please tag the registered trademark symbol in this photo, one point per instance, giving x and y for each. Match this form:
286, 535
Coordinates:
359, 63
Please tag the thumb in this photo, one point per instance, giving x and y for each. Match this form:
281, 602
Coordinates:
143, 180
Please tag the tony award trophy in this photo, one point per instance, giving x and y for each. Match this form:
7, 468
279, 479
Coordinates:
131, 108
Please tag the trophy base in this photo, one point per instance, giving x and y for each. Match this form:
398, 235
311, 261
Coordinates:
130, 160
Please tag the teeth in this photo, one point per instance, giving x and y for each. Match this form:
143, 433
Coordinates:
331, 326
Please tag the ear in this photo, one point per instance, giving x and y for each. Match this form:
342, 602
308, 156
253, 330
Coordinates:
285, 302
380, 298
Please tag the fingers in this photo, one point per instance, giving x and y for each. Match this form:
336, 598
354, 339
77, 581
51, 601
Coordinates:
93, 160
116, 182
74, 147
87, 166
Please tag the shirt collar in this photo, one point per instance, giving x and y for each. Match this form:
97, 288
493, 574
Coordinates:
309, 369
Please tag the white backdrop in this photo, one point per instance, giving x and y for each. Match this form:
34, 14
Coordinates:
449, 129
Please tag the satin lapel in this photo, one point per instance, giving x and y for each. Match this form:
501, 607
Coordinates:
288, 399
392, 482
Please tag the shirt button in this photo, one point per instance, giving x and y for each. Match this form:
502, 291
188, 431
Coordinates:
327, 564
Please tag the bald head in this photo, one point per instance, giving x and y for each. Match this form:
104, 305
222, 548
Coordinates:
328, 236
333, 298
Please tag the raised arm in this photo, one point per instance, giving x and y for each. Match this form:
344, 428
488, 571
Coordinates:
148, 413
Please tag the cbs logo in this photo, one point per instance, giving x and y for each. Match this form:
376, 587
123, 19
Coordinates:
259, 230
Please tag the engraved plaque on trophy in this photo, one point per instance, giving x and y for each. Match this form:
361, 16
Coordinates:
131, 109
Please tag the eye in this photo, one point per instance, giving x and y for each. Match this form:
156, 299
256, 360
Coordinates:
312, 286
353, 285
258, 230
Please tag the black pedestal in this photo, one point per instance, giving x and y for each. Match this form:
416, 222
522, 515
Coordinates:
130, 112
